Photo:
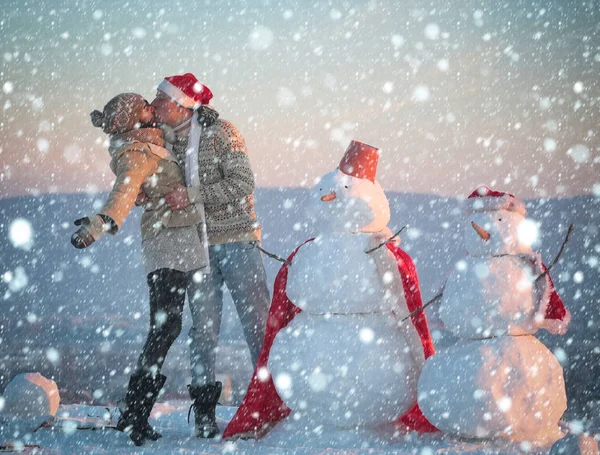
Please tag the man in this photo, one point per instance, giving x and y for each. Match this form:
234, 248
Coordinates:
221, 182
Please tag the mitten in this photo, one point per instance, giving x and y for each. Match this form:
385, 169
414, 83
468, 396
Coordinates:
92, 228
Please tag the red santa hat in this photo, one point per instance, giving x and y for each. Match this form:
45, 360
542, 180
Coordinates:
186, 90
484, 199
360, 160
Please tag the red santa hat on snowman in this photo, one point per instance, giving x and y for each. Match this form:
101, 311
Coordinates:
484, 199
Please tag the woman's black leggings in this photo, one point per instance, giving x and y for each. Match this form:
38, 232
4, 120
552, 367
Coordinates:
167, 299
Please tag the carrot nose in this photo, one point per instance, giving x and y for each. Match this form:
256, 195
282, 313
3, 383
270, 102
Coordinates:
329, 197
485, 235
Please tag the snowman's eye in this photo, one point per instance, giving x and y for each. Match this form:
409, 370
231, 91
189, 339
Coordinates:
346, 186
499, 219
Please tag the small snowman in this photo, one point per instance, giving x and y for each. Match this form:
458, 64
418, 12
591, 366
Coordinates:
334, 352
498, 380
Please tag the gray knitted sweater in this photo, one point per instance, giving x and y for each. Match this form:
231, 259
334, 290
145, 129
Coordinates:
226, 183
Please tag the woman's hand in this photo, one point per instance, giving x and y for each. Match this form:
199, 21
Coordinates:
178, 198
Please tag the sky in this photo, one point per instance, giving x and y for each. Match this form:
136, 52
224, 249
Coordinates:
454, 93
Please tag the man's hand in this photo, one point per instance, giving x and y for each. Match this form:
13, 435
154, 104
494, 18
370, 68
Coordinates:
141, 198
178, 198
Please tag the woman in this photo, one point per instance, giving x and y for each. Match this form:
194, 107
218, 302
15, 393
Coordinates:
170, 243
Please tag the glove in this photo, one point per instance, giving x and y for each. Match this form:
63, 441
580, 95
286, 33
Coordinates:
92, 228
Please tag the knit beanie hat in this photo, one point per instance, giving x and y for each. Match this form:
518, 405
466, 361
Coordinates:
120, 114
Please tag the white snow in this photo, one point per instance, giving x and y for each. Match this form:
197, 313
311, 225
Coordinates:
285, 97
432, 31
29, 400
20, 233
421, 94
8, 87
579, 153
261, 38
79, 429
510, 386
335, 378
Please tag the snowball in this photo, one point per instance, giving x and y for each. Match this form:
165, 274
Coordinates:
285, 97
106, 49
549, 145
43, 145
139, 32
578, 87
52, 355
421, 93
317, 381
579, 153
366, 335
504, 404
30, 396
17, 281
432, 31
72, 153
561, 355
8, 87
20, 234
261, 38
398, 41
528, 232
263, 374
443, 65
335, 14
283, 381
388, 87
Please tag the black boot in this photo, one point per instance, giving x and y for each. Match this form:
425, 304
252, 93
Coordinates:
205, 400
136, 406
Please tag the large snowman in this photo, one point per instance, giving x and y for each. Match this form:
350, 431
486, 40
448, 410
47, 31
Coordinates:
334, 352
498, 380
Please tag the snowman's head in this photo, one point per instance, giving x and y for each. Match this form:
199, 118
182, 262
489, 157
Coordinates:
349, 199
496, 224
343, 203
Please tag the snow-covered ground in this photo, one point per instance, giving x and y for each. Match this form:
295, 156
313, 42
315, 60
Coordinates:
78, 430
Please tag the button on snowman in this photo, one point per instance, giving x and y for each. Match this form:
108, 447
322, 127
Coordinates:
334, 352
498, 380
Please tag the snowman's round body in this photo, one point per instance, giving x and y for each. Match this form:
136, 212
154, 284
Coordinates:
492, 296
343, 361
498, 380
510, 387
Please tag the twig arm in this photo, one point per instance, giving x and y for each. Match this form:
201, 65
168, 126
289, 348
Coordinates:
418, 310
274, 256
387, 241
560, 252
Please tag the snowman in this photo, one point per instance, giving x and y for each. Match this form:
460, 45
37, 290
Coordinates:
498, 380
334, 352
